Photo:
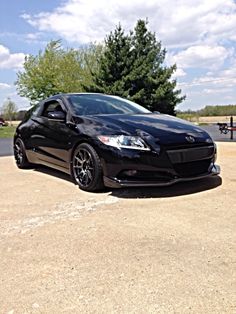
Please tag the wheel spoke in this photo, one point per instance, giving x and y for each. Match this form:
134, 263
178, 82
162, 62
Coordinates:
81, 153
81, 176
83, 167
89, 174
18, 153
78, 159
77, 167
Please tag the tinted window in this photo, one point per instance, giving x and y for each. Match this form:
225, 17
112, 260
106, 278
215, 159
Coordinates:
94, 104
51, 106
32, 112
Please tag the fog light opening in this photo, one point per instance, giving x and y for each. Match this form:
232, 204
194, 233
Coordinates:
130, 173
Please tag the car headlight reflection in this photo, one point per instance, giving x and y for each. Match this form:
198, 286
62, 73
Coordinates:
123, 141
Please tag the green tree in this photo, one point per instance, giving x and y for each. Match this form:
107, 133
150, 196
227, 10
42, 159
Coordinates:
151, 81
9, 110
133, 66
113, 66
226, 110
56, 70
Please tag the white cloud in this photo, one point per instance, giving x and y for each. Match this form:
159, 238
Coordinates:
10, 60
29, 38
223, 79
199, 36
21, 102
32, 36
179, 73
4, 86
202, 56
214, 88
176, 22
217, 90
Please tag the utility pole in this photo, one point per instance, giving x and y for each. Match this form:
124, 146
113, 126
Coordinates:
231, 128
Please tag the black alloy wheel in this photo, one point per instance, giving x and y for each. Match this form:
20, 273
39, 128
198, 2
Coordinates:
86, 168
19, 154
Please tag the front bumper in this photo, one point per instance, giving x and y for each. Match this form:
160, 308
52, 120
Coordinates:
133, 168
118, 183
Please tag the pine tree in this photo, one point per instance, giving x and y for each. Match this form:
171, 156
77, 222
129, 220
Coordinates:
114, 65
132, 66
151, 81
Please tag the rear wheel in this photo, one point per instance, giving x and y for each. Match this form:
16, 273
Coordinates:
20, 155
86, 168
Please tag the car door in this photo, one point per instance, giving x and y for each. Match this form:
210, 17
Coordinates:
50, 138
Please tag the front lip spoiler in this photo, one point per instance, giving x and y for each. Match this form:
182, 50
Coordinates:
116, 183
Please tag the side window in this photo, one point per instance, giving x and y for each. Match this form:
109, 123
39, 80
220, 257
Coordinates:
33, 111
51, 106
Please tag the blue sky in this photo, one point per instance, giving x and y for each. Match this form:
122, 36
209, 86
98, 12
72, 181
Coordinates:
199, 36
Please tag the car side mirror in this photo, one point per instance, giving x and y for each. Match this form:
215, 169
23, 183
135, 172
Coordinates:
57, 115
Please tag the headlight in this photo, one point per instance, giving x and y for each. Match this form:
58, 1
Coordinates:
123, 141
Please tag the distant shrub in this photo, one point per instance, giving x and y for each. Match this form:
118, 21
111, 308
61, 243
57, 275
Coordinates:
208, 111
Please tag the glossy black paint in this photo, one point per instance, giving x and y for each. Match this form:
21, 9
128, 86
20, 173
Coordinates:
173, 157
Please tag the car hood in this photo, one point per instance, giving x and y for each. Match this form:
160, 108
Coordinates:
163, 128
153, 128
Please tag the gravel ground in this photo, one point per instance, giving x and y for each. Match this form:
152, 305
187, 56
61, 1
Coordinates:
165, 250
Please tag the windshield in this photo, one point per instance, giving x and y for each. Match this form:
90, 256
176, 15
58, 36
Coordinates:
95, 104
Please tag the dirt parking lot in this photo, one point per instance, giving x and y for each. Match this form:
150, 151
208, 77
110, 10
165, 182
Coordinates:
165, 250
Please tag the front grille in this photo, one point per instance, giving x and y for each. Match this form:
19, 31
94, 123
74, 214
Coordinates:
178, 156
194, 168
186, 146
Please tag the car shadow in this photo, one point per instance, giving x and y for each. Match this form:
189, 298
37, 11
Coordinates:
53, 172
179, 189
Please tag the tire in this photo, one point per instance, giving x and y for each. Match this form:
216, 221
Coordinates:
86, 168
20, 155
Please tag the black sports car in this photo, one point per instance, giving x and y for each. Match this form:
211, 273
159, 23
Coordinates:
107, 140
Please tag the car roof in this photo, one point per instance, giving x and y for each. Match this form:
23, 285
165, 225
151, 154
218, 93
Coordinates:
74, 94
80, 93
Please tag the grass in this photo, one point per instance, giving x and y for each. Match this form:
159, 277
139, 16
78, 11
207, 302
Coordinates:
7, 131
188, 116
203, 123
